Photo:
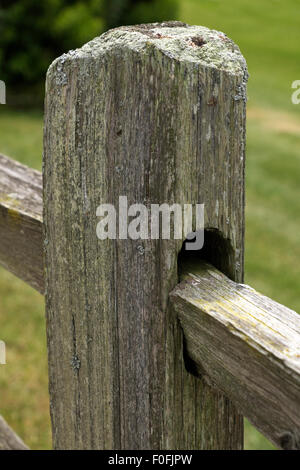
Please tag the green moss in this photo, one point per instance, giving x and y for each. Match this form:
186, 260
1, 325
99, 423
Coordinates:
12, 205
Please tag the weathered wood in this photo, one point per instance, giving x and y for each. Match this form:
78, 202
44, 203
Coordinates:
21, 216
9, 439
155, 113
246, 345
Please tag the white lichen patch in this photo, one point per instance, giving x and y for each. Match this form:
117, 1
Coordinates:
202, 45
192, 44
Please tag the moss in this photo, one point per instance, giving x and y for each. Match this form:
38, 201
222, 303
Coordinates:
12, 206
15, 208
10, 202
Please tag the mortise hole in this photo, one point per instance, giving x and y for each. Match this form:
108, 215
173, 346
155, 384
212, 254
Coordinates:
216, 250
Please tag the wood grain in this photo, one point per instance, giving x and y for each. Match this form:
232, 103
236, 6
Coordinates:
21, 222
156, 113
9, 439
245, 345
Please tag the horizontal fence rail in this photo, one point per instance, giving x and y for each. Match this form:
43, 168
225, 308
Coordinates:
246, 345
21, 222
9, 439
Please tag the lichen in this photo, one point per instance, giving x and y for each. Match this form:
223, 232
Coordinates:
15, 207
9, 200
196, 44
12, 206
75, 363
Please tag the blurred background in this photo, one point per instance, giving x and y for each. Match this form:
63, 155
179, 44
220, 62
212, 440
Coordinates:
32, 34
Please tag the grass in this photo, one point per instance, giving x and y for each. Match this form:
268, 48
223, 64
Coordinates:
23, 381
21, 135
269, 36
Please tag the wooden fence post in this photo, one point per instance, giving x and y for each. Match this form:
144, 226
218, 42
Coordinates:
155, 113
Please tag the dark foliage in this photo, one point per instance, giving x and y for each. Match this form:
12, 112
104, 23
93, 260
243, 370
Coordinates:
33, 33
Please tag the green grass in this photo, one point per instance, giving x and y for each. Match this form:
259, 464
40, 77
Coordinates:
23, 381
269, 36
21, 135
273, 208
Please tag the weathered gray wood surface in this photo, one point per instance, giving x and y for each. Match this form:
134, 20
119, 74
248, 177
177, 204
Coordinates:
246, 345
21, 214
156, 113
9, 439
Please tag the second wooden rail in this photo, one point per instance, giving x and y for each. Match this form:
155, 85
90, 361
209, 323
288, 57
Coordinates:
246, 345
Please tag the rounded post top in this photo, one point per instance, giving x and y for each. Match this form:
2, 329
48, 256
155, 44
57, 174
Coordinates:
176, 40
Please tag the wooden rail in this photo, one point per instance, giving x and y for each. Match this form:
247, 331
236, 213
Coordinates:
246, 345
9, 439
21, 222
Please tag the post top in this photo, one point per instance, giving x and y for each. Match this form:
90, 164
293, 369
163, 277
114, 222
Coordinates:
176, 40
